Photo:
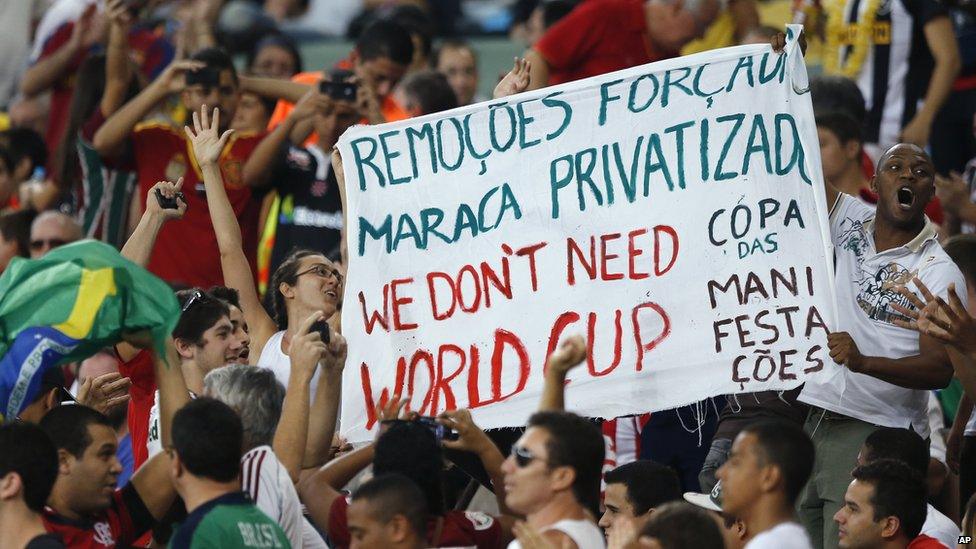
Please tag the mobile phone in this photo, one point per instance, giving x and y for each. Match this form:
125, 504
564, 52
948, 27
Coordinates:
339, 87
322, 327
207, 77
167, 203
440, 431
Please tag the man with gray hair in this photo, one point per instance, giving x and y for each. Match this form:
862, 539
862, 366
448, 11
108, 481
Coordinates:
51, 229
257, 397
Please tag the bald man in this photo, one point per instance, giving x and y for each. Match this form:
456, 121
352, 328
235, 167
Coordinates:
50, 230
886, 371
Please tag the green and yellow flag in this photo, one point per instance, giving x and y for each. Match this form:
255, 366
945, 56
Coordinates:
68, 305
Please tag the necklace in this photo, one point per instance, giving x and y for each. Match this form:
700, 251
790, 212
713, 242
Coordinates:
859, 36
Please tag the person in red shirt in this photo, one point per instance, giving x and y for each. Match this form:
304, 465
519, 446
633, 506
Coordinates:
884, 507
159, 150
85, 509
602, 36
62, 52
411, 449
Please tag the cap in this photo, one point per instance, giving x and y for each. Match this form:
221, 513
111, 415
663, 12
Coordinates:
711, 501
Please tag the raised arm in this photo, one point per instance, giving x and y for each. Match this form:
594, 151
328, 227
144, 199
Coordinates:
325, 409
516, 81
570, 354
152, 481
538, 70
319, 490
472, 439
258, 168
207, 145
941, 40
43, 74
110, 138
138, 248
118, 68
274, 88
307, 348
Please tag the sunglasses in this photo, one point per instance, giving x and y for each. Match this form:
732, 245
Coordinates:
523, 456
197, 296
50, 243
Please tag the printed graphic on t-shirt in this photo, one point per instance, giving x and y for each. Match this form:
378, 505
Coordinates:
855, 239
876, 292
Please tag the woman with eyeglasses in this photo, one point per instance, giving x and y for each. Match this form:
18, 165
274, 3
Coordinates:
305, 284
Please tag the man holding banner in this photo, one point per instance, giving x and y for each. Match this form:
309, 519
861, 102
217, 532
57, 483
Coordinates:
888, 369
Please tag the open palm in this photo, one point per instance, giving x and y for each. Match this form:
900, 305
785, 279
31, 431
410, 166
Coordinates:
205, 136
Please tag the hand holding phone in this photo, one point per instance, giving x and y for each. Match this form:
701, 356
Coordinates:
168, 203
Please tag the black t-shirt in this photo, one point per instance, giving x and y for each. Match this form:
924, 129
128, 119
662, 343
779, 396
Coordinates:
45, 541
310, 212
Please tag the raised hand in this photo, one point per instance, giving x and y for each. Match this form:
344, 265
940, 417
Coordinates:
168, 190
105, 392
313, 101
118, 13
516, 81
952, 192
470, 437
569, 355
334, 359
207, 143
949, 322
173, 78
307, 348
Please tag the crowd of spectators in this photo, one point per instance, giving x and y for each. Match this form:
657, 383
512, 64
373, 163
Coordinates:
192, 136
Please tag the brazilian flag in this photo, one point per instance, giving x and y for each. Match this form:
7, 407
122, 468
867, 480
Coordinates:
68, 305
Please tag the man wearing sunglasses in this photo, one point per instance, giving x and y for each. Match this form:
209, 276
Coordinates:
553, 477
50, 230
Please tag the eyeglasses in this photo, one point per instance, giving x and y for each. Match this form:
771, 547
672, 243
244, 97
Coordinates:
49, 243
523, 456
197, 296
322, 271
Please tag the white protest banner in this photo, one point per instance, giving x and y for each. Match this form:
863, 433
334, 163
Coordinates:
672, 213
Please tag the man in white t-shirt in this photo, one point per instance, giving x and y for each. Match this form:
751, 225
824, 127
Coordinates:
886, 369
205, 341
769, 464
553, 475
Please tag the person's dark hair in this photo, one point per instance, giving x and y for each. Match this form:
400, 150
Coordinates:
841, 124
25, 143
68, 427
837, 94
385, 39
216, 58
901, 444
649, 484
554, 10
417, 23
7, 160
410, 449
680, 525
15, 227
393, 494
450, 44
199, 316
962, 250
278, 40
786, 446
286, 273
87, 95
26, 449
208, 437
225, 294
574, 442
430, 90
898, 492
